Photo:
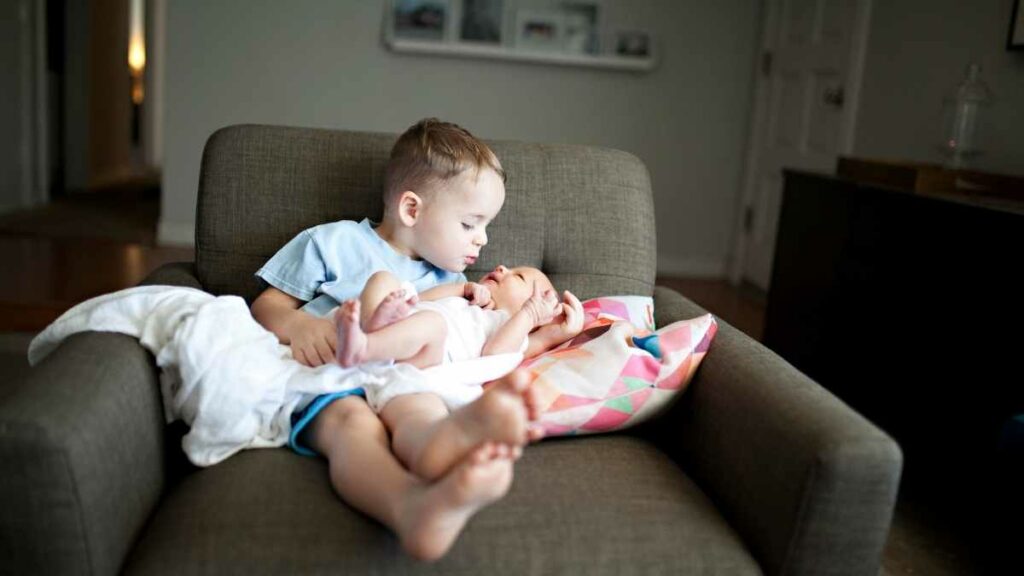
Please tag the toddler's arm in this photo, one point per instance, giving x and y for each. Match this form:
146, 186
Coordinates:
312, 339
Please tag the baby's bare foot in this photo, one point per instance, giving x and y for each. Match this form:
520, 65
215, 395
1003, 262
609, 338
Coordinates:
392, 308
502, 414
433, 519
351, 338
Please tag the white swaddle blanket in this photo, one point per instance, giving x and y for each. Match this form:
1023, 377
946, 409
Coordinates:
229, 379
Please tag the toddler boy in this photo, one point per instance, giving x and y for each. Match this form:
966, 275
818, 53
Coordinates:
442, 188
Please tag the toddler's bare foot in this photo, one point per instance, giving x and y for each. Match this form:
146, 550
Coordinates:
394, 307
351, 338
433, 519
520, 383
502, 414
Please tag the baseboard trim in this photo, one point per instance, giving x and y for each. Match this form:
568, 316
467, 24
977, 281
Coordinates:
175, 234
691, 267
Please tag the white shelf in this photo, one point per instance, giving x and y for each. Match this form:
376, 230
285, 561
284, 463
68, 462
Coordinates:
473, 50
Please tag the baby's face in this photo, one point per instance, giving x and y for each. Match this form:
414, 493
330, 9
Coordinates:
510, 288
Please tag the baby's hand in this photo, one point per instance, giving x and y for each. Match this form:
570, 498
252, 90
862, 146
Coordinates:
572, 311
478, 295
542, 307
313, 340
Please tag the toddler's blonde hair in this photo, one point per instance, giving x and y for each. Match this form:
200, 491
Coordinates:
431, 152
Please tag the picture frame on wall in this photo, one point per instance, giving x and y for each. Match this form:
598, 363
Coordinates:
482, 21
633, 43
581, 27
421, 19
1015, 39
560, 32
541, 30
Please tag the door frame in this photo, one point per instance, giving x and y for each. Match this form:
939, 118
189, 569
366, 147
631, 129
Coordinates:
32, 94
770, 21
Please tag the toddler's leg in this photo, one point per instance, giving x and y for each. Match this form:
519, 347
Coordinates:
430, 444
418, 339
427, 518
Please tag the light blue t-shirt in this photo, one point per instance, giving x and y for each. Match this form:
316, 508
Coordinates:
330, 263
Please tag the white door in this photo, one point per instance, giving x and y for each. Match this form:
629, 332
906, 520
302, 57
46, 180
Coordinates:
805, 104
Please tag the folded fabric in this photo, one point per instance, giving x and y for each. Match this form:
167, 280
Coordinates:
226, 376
616, 373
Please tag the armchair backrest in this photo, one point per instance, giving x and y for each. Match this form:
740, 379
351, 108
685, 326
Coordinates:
583, 215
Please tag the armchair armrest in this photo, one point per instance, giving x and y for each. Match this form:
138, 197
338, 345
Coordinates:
82, 442
807, 482
174, 274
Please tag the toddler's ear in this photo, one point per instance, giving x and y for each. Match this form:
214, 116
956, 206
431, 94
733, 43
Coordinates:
409, 206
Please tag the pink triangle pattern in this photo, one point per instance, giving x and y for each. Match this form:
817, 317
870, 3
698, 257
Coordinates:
642, 366
593, 308
677, 378
552, 429
677, 339
640, 397
705, 343
618, 389
550, 358
605, 419
567, 401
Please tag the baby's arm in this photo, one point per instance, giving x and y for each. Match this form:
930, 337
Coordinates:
568, 326
539, 309
477, 294
312, 339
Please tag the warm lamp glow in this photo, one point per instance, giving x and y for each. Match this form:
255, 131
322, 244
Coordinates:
137, 55
137, 50
136, 37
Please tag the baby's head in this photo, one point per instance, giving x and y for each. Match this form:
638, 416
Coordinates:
510, 288
442, 187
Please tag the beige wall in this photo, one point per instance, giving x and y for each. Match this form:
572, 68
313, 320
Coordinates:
322, 63
917, 52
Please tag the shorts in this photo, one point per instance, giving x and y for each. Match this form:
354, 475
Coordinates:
302, 418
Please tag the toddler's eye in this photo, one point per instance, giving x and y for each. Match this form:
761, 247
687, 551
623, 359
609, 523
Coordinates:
467, 227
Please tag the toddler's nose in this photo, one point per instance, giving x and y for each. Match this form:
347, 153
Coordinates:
501, 269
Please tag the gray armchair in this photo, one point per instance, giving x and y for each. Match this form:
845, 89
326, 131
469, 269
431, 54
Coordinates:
756, 469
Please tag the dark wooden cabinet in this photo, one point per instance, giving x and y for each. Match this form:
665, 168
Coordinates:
910, 308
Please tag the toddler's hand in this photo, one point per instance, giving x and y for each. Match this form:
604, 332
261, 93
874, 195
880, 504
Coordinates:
478, 295
313, 340
542, 306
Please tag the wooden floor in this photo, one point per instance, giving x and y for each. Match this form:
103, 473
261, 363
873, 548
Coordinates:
742, 306
52, 274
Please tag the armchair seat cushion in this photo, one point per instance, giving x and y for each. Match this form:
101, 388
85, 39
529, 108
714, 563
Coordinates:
617, 504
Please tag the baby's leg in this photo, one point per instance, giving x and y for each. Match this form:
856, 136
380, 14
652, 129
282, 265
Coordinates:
417, 339
427, 518
383, 301
430, 442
